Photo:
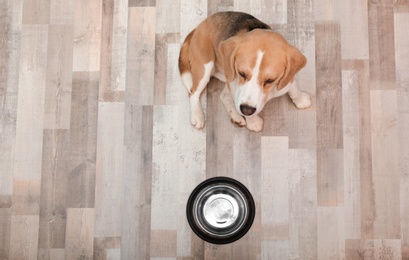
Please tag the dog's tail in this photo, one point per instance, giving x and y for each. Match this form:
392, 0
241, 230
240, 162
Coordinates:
184, 62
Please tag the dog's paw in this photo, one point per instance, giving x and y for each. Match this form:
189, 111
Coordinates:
254, 123
197, 119
238, 120
302, 101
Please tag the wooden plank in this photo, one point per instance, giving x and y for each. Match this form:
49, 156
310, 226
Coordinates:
103, 245
215, 6
331, 233
141, 55
325, 10
59, 77
165, 181
134, 3
54, 189
381, 45
136, 217
354, 33
83, 140
385, 163
26, 198
373, 249
163, 243
113, 50
329, 89
302, 129
330, 177
274, 182
10, 28
79, 234
219, 129
5, 232
30, 110
109, 170
168, 16
274, 249
36, 12
247, 168
191, 14
351, 164
161, 65
303, 204
62, 12
24, 237
402, 81
87, 35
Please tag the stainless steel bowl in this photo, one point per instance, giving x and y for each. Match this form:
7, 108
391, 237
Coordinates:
220, 210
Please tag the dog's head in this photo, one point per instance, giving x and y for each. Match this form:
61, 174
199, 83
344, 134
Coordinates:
256, 64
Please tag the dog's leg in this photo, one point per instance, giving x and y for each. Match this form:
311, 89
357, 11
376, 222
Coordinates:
197, 116
301, 99
254, 123
227, 100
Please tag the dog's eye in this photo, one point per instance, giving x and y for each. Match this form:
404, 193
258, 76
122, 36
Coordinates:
243, 75
269, 81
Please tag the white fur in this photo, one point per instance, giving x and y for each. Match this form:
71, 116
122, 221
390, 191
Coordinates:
187, 80
251, 93
197, 116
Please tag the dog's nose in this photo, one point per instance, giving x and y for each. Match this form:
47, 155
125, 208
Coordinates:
247, 110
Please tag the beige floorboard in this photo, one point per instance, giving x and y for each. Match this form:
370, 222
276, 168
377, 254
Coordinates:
98, 157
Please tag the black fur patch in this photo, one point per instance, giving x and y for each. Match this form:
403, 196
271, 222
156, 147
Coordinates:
242, 22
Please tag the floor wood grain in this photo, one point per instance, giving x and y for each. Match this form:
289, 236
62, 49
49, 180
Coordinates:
98, 158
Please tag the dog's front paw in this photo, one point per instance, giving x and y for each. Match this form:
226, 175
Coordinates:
254, 123
197, 119
302, 101
238, 120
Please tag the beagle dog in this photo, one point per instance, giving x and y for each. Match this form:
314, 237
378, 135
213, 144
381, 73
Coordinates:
256, 64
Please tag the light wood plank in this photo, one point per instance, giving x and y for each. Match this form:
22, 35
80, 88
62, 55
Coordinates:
53, 189
354, 33
109, 170
24, 237
331, 233
62, 12
274, 249
402, 63
191, 14
36, 12
330, 177
165, 181
59, 77
141, 55
351, 164
79, 235
5, 232
135, 238
385, 164
87, 35
83, 140
26, 198
381, 45
274, 182
30, 110
10, 29
302, 181
329, 81
168, 16
373, 249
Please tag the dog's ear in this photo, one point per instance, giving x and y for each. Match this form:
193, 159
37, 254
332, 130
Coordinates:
295, 62
227, 50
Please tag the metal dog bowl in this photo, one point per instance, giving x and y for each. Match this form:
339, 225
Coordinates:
220, 210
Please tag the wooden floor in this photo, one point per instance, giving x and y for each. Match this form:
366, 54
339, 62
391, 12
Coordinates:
98, 158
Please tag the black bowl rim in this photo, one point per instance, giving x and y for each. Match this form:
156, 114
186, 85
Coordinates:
246, 226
